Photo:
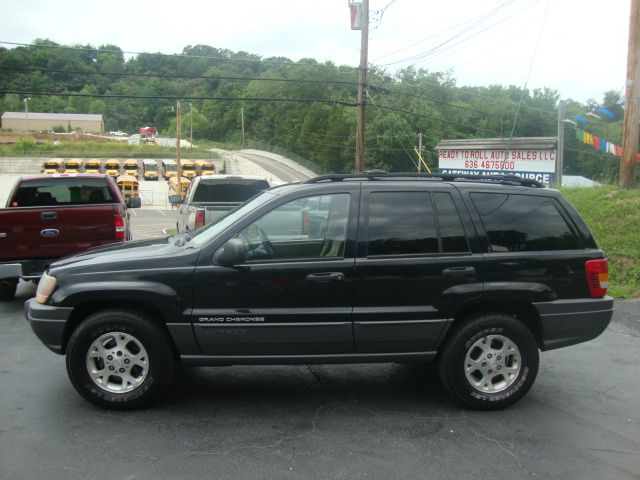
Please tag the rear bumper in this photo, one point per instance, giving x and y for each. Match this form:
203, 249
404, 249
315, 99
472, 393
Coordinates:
567, 322
48, 323
10, 270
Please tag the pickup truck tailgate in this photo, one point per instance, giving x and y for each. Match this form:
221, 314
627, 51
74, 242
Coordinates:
41, 232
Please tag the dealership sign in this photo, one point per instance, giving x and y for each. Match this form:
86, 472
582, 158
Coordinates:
487, 158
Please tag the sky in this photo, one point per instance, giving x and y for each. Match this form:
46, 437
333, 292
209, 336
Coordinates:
577, 47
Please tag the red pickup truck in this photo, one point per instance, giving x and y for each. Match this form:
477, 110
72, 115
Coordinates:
52, 216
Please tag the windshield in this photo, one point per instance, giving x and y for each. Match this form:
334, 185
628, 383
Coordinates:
151, 168
205, 234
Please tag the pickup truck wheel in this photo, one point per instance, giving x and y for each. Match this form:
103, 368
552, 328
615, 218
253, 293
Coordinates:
8, 287
119, 359
489, 362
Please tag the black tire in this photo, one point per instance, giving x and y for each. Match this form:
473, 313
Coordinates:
476, 373
8, 287
132, 362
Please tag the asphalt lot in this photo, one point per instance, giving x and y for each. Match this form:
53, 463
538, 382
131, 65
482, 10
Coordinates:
581, 419
150, 222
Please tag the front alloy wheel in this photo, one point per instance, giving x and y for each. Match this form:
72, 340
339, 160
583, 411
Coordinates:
120, 359
117, 362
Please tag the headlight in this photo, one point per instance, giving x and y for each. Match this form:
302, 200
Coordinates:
45, 288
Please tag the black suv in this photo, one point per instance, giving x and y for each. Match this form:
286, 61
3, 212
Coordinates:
476, 273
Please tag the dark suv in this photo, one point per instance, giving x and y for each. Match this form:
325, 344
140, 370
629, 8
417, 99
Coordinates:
476, 273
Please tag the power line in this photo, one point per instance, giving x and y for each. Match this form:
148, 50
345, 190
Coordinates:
533, 57
478, 22
169, 75
437, 51
433, 36
181, 55
460, 91
182, 97
450, 122
401, 144
433, 100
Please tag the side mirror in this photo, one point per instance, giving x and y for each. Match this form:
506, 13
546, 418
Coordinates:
231, 253
134, 202
175, 199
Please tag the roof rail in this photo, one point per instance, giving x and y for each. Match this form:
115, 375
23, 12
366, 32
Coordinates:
445, 177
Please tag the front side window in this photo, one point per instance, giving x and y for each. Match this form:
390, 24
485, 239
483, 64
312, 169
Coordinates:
307, 228
521, 223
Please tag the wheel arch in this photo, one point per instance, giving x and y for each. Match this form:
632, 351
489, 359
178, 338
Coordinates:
84, 310
522, 311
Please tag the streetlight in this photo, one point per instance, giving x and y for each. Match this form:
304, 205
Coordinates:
26, 110
190, 125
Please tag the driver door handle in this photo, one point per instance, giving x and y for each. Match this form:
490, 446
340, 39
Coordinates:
325, 277
459, 272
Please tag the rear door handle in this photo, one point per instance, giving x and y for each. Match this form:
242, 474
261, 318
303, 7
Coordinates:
325, 277
459, 272
49, 215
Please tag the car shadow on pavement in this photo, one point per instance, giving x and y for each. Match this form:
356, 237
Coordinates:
411, 387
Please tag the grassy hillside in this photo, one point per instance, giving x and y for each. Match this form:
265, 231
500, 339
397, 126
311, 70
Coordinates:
613, 215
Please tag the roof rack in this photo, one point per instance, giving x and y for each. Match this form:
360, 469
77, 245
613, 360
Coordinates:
445, 177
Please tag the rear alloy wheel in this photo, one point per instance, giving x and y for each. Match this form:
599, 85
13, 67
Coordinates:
489, 362
120, 359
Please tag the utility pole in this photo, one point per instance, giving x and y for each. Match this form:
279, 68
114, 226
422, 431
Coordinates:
420, 149
242, 120
362, 86
562, 107
178, 132
631, 128
26, 110
190, 125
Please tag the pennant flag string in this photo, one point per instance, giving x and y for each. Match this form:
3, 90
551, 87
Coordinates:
599, 143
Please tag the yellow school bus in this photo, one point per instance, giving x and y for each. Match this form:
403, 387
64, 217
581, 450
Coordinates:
51, 166
205, 167
128, 185
173, 186
73, 165
189, 168
131, 168
93, 165
112, 167
149, 169
169, 169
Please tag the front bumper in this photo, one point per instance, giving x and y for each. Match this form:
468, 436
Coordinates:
567, 322
48, 323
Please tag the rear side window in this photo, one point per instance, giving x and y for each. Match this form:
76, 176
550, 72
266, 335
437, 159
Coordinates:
236, 190
521, 223
72, 191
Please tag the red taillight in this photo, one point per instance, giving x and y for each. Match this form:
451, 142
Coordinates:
118, 223
597, 277
199, 220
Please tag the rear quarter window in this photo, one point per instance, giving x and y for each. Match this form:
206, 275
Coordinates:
521, 223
